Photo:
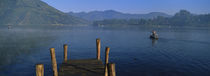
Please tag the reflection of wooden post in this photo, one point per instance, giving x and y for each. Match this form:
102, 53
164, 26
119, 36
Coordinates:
54, 63
39, 70
106, 60
111, 69
65, 46
98, 48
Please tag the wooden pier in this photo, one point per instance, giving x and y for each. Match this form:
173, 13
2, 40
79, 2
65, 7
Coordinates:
81, 67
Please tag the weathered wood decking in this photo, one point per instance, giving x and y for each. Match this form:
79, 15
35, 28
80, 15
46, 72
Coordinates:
83, 67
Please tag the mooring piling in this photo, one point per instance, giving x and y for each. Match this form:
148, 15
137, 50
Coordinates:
98, 48
107, 55
39, 70
111, 69
106, 60
54, 63
65, 46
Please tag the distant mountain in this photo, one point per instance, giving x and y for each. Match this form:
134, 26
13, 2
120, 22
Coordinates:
33, 12
181, 18
111, 14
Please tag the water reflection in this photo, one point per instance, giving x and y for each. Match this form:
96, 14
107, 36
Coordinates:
154, 42
130, 49
17, 42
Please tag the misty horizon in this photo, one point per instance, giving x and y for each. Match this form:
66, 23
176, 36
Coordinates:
132, 7
132, 13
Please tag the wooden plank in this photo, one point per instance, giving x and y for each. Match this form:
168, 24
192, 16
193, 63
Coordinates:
83, 67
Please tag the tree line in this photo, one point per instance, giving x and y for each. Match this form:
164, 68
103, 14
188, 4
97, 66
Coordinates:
182, 18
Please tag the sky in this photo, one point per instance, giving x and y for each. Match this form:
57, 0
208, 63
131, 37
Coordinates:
132, 6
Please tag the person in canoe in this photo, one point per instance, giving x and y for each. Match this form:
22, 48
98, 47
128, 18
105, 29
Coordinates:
154, 35
9, 26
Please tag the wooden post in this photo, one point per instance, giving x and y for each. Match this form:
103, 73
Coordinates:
111, 69
98, 48
106, 60
65, 46
107, 55
39, 70
54, 63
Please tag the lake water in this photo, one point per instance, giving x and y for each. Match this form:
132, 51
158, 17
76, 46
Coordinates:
177, 52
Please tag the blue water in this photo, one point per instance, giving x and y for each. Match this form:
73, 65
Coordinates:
177, 52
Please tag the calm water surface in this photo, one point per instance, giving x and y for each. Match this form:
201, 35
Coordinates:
177, 52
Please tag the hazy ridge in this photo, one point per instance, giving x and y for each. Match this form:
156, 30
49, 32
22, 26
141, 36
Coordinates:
181, 18
34, 12
112, 14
